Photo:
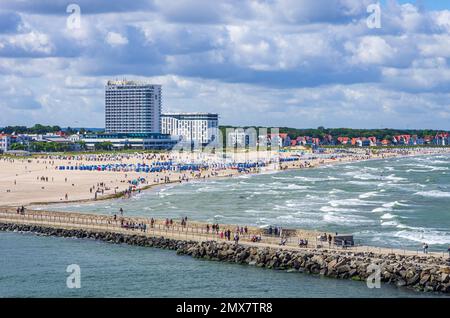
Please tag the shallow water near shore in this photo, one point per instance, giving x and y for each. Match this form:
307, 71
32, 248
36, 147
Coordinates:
398, 203
35, 266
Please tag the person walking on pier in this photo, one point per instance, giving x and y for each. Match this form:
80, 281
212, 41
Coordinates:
425, 248
236, 238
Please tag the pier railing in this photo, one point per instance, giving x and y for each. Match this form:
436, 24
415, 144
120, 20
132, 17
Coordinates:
191, 231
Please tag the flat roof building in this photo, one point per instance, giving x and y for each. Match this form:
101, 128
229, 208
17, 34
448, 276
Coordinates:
194, 128
154, 141
132, 107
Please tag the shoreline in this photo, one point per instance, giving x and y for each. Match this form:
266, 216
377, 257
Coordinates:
252, 174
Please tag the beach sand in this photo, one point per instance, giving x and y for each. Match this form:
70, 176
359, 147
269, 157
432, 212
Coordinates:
21, 178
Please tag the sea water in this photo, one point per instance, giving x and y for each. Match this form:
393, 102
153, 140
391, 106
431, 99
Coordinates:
392, 203
398, 203
35, 266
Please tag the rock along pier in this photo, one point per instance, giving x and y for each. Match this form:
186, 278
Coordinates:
428, 273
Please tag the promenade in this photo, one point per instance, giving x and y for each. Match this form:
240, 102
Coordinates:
191, 231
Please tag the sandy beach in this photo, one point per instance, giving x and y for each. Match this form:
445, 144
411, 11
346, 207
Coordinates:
38, 179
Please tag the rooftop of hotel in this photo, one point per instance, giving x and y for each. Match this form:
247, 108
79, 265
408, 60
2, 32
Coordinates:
190, 113
129, 83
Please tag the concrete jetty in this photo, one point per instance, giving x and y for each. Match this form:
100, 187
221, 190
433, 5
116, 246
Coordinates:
429, 272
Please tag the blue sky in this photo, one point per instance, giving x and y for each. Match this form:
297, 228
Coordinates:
297, 63
428, 4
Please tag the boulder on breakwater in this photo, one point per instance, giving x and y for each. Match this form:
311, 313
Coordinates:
414, 271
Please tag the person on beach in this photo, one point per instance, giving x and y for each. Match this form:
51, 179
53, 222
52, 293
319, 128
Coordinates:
425, 248
121, 211
329, 240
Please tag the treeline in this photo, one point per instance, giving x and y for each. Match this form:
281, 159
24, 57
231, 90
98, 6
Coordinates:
36, 129
41, 146
321, 132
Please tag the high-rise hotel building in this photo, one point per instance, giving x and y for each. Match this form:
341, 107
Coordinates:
198, 128
132, 107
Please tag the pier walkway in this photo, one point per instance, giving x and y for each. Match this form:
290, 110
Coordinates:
193, 230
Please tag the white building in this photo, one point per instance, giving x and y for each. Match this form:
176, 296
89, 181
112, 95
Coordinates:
132, 107
197, 128
154, 141
5, 142
240, 138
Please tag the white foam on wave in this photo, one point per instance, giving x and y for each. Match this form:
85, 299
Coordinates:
351, 202
366, 176
437, 162
333, 178
368, 195
433, 194
393, 177
387, 207
389, 223
340, 219
387, 216
393, 204
381, 210
335, 209
311, 179
297, 187
336, 191
312, 197
281, 178
286, 217
252, 211
416, 170
440, 169
364, 183
428, 236
163, 195
430, 167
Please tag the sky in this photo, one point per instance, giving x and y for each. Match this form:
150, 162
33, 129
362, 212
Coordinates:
295, 63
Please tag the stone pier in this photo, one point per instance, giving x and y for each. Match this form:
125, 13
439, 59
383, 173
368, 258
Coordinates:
430, 273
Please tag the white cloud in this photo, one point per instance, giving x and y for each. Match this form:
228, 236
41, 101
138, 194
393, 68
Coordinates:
302, 63
116, 39
371, 50
34, 42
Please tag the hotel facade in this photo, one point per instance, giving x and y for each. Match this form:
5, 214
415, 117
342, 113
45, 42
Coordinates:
197, 128
132, 107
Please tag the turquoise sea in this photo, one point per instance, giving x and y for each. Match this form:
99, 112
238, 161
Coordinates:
35, 266
392, 203
396, 203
